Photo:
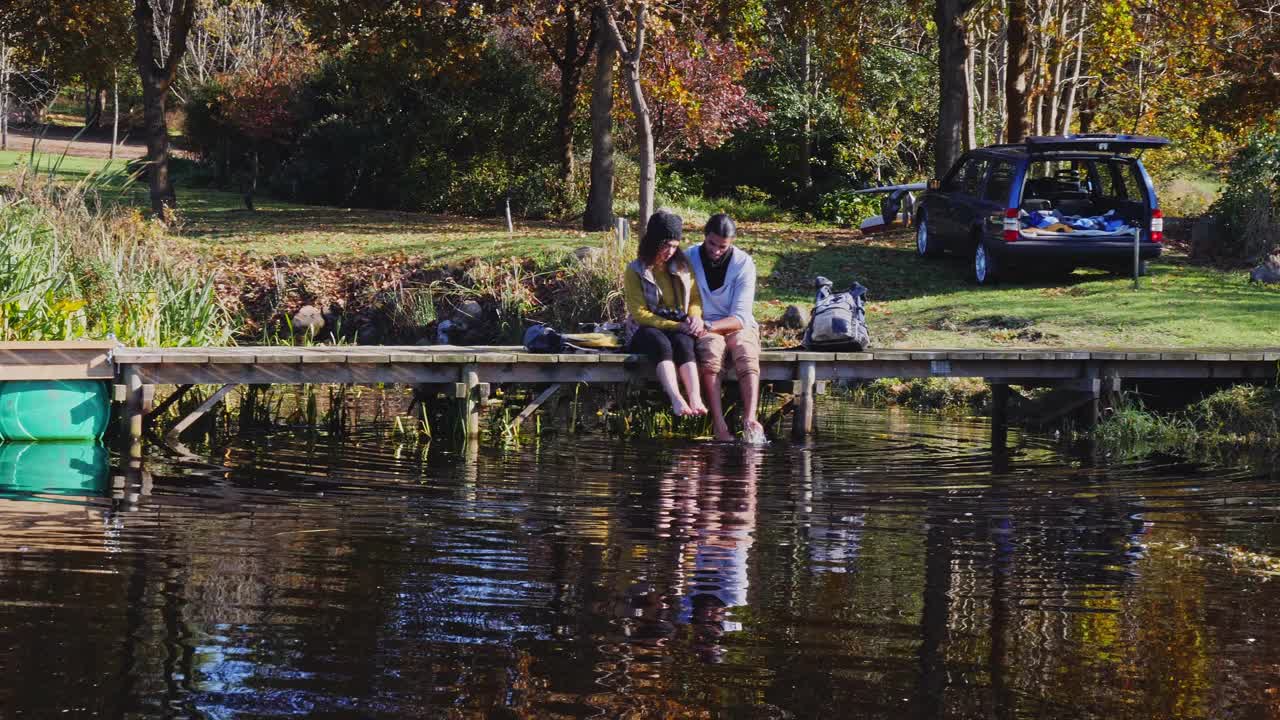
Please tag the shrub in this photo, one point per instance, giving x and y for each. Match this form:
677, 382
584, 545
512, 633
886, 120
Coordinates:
1247, 215
843, 207
460, 141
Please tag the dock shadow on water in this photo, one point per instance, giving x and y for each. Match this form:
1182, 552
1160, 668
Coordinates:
891, 568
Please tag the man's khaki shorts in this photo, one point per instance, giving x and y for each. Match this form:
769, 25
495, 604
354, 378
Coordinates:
743, 346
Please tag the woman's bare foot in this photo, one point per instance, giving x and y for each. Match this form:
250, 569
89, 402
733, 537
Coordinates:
753, 433
680, 408
697, 407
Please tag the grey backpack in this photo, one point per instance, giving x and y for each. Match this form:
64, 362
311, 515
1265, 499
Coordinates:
839, 320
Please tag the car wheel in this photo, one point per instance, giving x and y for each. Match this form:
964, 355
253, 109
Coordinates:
926, 244
985, 266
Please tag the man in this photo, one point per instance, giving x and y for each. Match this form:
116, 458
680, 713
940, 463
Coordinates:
726, 278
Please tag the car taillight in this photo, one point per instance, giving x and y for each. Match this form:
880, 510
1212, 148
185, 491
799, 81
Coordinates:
1157, 226
1011, 225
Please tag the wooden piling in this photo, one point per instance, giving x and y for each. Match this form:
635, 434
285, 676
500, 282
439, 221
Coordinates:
469, 402
806, 386
134, 412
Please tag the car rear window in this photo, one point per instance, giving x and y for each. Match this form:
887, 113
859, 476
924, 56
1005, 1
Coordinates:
1111, 178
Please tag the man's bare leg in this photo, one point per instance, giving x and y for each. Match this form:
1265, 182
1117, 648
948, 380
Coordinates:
711, 384
749, 387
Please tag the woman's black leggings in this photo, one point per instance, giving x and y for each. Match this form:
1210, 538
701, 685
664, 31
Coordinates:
662, 345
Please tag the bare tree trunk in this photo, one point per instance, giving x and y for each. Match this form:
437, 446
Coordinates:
1038, 114
1017, 68
970, 117
1056, 81
1089, 107
1142, 92
115, 107
1002, 72
157, 76
570, 61
599, 214
5, 52
804, 161
953, 96
1075, 74
986, 72
644, 124
154, 96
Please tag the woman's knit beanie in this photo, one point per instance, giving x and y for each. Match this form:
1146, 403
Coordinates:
664, 225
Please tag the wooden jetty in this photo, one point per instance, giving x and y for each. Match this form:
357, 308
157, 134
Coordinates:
471, 372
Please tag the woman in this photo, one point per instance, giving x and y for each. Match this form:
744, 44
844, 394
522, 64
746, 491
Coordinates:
665, 311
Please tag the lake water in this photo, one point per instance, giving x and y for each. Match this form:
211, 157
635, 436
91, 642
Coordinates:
892, 568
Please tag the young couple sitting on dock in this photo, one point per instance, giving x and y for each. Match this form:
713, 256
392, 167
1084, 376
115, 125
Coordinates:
687, 310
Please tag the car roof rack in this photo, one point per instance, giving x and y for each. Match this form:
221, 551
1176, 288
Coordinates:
1100, 142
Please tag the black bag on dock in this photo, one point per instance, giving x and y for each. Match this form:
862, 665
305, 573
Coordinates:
839, 320
543, 339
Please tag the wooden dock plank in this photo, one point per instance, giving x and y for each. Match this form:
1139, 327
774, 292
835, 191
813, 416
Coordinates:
456, 358
536, 358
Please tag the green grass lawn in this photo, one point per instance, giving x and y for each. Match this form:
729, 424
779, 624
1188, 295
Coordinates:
919, 303
913, 303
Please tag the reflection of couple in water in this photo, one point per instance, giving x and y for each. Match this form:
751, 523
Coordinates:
707, 515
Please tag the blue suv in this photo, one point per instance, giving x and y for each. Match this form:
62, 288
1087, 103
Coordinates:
1049, 203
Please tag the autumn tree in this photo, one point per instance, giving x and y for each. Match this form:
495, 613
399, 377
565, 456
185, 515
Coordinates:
695, 92
953, 85
157, 65
567, 33
421, 37
599, 212
627, 27
257, 102
1018, 68
65, 42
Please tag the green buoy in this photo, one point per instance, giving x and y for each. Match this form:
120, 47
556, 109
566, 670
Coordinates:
53, 468
53, 409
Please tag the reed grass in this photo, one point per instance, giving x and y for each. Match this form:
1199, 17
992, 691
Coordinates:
75, 266
1243, 416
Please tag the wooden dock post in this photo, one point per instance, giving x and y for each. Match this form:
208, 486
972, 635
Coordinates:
469, 402
134, 410
805, 390
999, 417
